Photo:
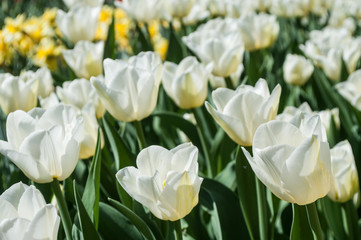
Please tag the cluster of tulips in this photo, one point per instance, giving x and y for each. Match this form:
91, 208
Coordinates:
244, 124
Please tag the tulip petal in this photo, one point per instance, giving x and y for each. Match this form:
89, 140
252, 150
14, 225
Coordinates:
45, 224
14, 229
30, 203
8, 211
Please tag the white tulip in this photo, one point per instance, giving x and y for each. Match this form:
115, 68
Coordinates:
44, 144
46, 82
186, 83
224, 50
258, 30
18, 93
165, 181
239, 112
291, 8
129, 90
144, 10
292, 158
78, 93
77, 3
344, 180
179, 8
79, 23
297, 69
351, 89
290, 112
85, 59
26, 216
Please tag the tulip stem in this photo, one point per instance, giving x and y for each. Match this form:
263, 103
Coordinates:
178, 230
351, 219
262, 209
199, 127
141, 139
314, 220
63, 209
229, 83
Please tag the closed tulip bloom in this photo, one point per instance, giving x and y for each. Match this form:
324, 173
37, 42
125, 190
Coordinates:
77, 3
239, 112
79, 23
78, 93
292, 158
166, 182
46, 82
85, 59
351, 89
90, 136
186, 83
179, 8
258, 30
18, 93
129, 90
26, 216
44, 144
224, 50
344, 180
144, 10
297, 69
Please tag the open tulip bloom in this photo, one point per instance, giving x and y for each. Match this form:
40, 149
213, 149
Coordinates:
239, 112
166, 181
26, 216
44, 144
129, 89
293, 158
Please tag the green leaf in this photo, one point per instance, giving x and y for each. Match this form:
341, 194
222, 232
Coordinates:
114, 225
109, 46
135, 219
87, 227
228, 176
226, 212
179, 122
333, 215
247, 194
300, 229
123, 157
91, 192
176, 49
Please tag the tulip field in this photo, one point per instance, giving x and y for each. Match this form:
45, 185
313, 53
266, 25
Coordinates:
180, 119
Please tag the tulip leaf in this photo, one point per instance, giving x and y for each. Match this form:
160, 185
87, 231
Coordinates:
225, 208
91, 192
333, 215
88, 229
179, 122
228, 176
300, 226
246, 187
114, 225
123, 157
176, 49
135, 219
109, 46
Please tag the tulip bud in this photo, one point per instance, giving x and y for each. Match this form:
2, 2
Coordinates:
85, 59
18, 93
78, 93
344, 180
258, 31
239, 112
25, 214
44, 144
292, 158
351, 89
186, 83
79, 23
297, 69
165, 181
